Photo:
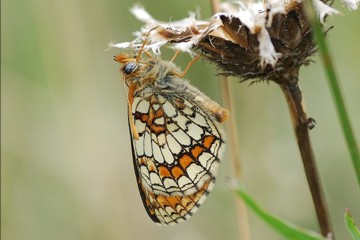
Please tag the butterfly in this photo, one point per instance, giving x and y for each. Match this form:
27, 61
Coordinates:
176, 137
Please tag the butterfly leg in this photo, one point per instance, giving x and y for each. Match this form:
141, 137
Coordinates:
181, 75
148, 54
176, 54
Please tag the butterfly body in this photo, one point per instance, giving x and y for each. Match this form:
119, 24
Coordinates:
176, 138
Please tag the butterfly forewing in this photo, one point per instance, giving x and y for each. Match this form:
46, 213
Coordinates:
176, 155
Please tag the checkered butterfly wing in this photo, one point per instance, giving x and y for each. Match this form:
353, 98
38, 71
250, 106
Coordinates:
176, 155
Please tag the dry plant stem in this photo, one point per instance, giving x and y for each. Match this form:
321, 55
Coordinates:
215, 6
300, 121
242, 214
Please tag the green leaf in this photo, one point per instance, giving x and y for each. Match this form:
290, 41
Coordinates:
286, 228
335, 88
351, 227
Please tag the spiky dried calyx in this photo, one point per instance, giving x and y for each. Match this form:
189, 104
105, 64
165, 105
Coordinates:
254, 41
236, 49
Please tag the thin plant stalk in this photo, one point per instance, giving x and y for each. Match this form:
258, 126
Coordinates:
335, 88
301, 124
242, 213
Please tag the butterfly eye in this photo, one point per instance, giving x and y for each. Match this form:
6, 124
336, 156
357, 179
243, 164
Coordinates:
130, 67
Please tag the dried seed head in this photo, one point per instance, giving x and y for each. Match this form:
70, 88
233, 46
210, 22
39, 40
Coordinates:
263, 52
265, 40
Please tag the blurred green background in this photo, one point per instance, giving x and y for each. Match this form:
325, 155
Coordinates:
66, 170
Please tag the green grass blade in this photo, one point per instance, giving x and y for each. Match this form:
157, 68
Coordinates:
351, 227
285, 228
335, 88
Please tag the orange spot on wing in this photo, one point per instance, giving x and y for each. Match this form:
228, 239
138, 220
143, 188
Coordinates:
154, 115
185, 161
151, 117
144, 118
164, 172
157, 129
150, 208
196, 196
180, 204
172, 201
208, 140
151, 167
142, 161
159, 113
177, 172
196, 151
187, 202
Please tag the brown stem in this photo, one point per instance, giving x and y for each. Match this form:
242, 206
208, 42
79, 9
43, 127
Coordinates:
242, 213
301, 124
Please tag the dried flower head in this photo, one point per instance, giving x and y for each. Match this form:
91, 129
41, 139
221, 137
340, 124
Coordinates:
266, 40
273, 44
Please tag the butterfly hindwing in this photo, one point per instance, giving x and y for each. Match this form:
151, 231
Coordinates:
176, 155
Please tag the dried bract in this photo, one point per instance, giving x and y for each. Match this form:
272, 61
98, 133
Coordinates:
260, 40
265, 52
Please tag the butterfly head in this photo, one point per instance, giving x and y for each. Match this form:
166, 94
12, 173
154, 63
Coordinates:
132, 68
144, 69
129, 64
